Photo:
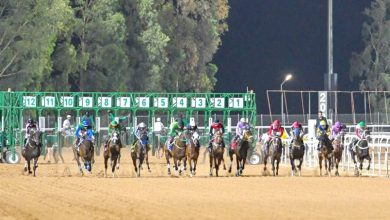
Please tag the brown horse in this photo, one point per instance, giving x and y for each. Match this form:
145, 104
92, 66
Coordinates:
139, 153
192, 151
338, 151
216, 155
113, 152
297, 152
178, 153
325, 153
273, 149
241, 152
86, 152
32, 150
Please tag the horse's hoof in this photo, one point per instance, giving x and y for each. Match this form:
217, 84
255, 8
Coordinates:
149, 170
29, 172
25, 169
210, 174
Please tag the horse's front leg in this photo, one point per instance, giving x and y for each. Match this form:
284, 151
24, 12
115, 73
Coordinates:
25, 166
105, 165
168, 163
273, 165
369, 162
35, 164
292, 165
320, 164
277, 166
300, 165
147, 161
216, 164
76, 156
211, 164
119, 160
231, 162
238, 165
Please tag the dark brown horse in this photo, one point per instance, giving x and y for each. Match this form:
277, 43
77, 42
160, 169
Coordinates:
32, 150
216, 155
273, 149
140, 153
113, 152
338, 151
297, 152
85, 151
241, 152
325, 153
192, 151
361, 151
178, 153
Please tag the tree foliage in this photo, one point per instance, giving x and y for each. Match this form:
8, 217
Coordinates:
372, 64
110, 45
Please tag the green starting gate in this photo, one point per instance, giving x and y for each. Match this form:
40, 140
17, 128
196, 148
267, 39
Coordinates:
200, 107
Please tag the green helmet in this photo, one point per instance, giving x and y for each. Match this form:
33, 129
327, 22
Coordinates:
114, 123
362, 124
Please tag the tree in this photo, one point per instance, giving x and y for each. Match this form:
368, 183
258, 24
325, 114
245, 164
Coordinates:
372, 65
28, 31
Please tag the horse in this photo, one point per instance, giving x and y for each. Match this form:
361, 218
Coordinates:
297, 152
113, 152
32, 150
140, 153
217, 151
338, 150
325, 153
274, 150
85, 151
192, 151
178, 153
241, 153
362, 151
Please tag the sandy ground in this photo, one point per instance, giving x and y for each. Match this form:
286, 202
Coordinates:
59, 192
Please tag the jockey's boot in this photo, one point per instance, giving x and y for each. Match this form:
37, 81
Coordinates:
170, 145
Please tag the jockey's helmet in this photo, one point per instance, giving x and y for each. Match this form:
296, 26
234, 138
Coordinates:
114, 123
295, 124
192, 124
30, 121
362, 124
337, 124
242, 120
85, 123
216, 120
68, 116
276, 124
323, 123
158, 119
142, 125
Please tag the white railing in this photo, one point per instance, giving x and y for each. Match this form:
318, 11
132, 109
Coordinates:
379, 151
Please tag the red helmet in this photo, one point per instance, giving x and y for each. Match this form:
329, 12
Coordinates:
295, 124
276, 124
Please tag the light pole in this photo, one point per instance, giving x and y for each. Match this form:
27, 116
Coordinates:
287, 78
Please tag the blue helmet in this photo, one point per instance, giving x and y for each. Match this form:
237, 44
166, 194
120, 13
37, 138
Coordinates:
85, 123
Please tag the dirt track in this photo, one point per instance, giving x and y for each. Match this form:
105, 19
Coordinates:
58, 192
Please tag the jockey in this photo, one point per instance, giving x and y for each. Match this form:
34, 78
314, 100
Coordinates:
323, 127
30, 124
275, 129
114, 126
240, 127
193, 128
214, 128
88, 119
174, 129
295, 125
81, 129
336, 129
359, 130
140, 131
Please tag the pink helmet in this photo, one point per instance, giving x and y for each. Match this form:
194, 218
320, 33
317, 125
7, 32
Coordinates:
338, 124
295, 124
276, 124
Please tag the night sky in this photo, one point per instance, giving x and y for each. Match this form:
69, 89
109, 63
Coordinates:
268, 38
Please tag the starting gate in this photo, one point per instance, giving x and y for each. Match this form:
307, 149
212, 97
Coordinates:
50, 108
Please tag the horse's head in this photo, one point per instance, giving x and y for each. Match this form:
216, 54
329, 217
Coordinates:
218, 139
247, 135
115, 139
366, 135
34, 136
195, 137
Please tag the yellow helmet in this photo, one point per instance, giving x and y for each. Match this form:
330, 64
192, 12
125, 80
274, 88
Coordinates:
323, 123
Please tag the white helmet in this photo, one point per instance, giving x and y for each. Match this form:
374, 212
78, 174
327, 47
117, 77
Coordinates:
242, 120
142, 125
192, 124
158, 119
68, 116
